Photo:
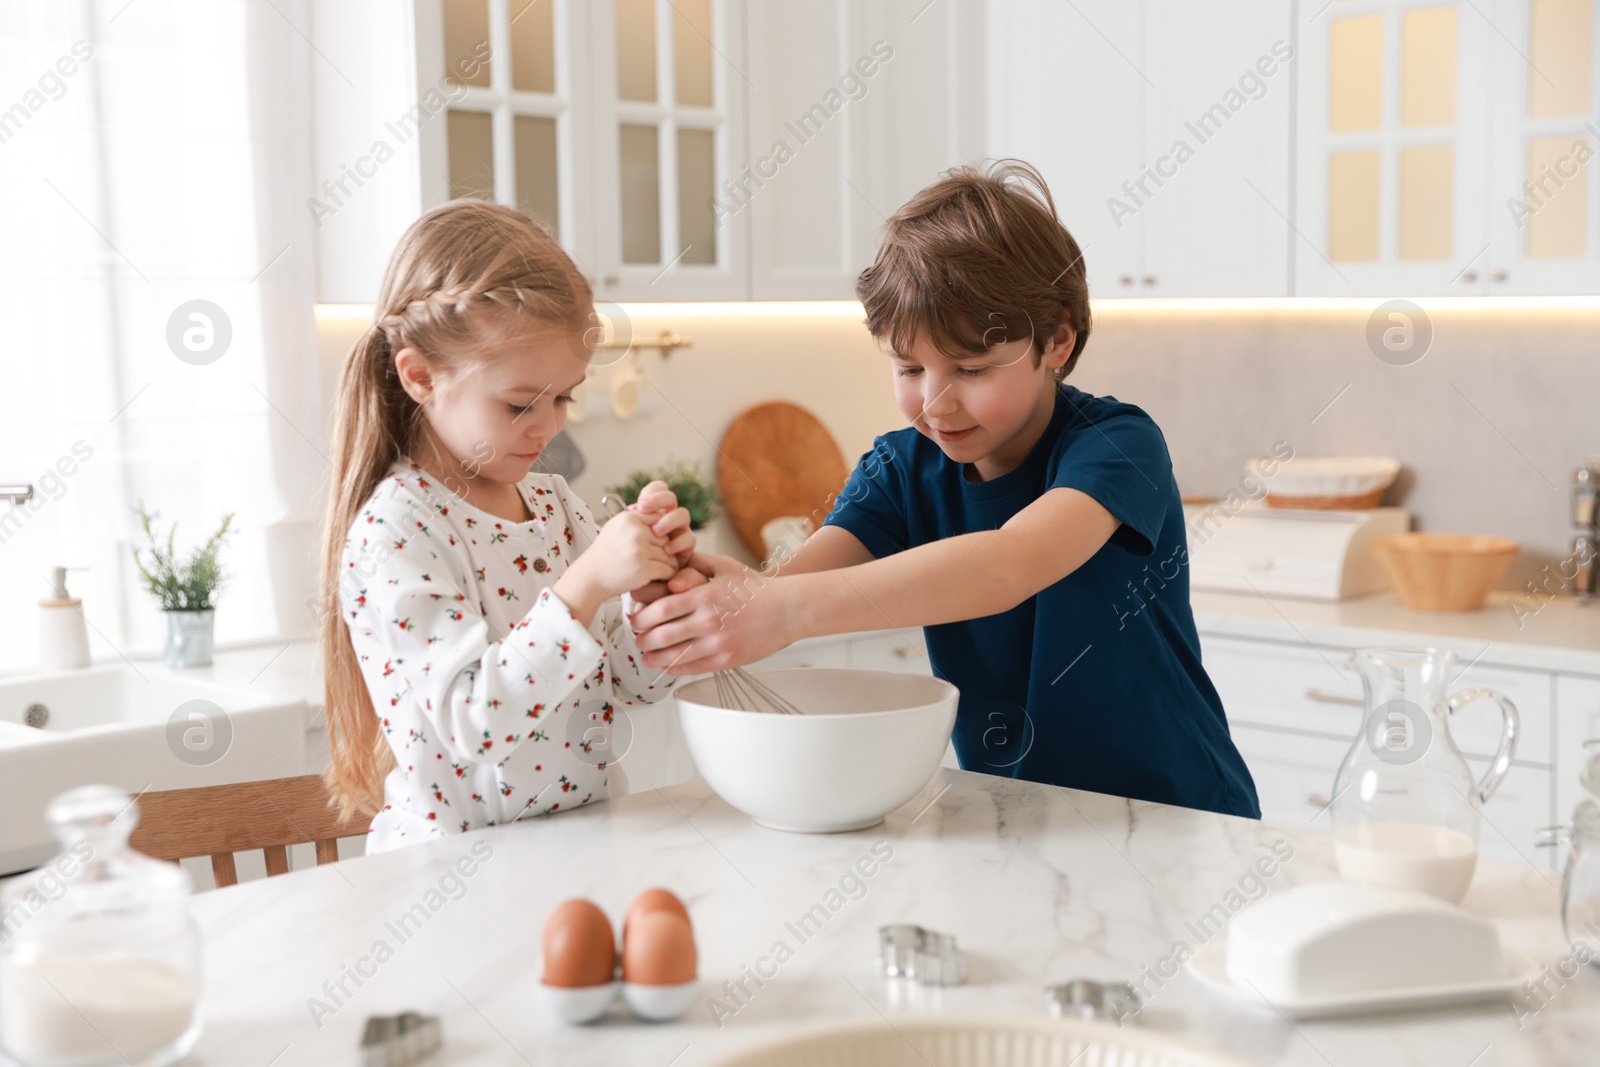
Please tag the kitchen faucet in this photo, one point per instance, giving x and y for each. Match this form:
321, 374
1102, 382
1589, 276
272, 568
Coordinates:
16, 494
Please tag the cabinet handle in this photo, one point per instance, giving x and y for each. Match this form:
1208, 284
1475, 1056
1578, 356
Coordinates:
1318, 800
908, 652
1469, 276
612, 279
1126, 279
1322, 697
1499, 276
1149, 279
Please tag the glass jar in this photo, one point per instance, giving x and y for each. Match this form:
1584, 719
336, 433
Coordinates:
1580, 882
99, 958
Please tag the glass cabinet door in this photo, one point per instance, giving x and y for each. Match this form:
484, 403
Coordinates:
667, 90
506, 132
1393, 137
1545, 205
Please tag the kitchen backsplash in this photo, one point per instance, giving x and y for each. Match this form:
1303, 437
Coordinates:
1489, 422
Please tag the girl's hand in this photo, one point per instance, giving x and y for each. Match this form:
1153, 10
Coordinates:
625, 555
727, 616
659, 506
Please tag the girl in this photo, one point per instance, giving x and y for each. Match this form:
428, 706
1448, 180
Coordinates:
476, 649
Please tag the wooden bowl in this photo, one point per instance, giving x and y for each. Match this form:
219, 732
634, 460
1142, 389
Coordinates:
1443, 571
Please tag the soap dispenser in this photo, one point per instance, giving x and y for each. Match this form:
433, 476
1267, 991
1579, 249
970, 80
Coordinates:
63, 636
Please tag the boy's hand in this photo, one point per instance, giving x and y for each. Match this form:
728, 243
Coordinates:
722, 615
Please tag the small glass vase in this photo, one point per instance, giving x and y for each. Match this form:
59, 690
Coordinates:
189, 638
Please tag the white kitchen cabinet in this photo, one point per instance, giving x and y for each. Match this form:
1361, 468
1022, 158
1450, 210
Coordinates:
894, 650
853, 108
1393, 148
366, 155
1163, 131
678, 149
1578, 700
1216, 140
1544, 201
1067, 89
1420, 126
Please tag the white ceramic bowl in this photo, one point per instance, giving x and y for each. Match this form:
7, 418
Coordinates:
866, 742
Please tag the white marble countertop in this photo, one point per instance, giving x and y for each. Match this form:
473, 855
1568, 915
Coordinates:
1562, 634
1040, 884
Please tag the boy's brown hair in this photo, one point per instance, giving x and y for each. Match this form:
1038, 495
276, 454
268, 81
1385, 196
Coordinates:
977, 259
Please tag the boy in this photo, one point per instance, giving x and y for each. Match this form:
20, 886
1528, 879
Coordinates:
1033, 529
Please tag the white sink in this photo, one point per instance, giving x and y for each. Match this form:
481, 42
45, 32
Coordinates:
137, 726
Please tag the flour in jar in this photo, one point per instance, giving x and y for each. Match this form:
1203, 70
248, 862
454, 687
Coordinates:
1428, 859
67, 1011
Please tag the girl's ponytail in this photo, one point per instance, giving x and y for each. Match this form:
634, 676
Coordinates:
369, 433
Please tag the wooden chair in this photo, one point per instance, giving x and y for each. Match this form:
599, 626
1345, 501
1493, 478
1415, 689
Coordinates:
219, 820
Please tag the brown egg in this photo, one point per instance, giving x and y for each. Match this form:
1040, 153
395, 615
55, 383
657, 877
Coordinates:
579, 946
653, 900
659, 950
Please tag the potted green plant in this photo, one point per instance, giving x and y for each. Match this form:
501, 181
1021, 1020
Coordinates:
694, 488
187, 588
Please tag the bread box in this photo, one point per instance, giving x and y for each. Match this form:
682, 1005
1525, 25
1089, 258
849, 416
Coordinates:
1317, 555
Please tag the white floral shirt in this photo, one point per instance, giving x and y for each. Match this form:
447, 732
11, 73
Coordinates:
496, 703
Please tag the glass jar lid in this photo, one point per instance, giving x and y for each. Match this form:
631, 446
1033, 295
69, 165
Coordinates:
96, 875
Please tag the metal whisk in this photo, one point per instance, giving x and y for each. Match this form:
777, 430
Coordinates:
741, 691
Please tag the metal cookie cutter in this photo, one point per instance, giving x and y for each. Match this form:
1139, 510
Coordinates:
397, 1040
932, 958
1084, 998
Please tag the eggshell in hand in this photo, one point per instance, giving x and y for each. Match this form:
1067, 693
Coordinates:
579, 946
659, 950
654, 900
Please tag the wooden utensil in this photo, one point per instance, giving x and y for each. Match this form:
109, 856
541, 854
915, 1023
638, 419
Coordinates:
777, 459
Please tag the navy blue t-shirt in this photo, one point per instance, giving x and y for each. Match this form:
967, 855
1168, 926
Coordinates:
1096, 682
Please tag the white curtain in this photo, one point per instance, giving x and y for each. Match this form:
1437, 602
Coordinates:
154, 153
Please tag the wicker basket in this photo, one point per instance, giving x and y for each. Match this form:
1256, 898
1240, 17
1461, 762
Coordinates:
1358, 502
1335, 483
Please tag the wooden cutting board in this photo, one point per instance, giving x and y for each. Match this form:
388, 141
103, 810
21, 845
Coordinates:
777, 459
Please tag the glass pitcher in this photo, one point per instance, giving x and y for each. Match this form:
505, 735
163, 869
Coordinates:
1405, 805
99, 959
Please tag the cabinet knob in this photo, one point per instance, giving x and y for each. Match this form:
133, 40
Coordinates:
1318, 800
1469, 276
908, 652
612, 279
1126, 279
1499, 276
1149, 279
